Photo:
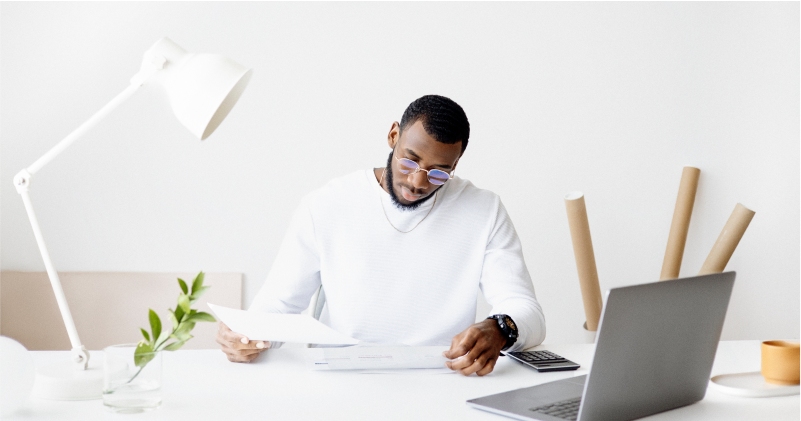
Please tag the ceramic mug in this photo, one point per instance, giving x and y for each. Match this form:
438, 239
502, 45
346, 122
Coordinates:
780, 362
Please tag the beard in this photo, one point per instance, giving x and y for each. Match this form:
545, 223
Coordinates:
404, 207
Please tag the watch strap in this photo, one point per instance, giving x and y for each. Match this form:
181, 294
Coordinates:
508, 329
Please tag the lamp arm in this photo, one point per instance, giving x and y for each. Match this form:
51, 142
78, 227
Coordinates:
22, 182
80, 356
81, 130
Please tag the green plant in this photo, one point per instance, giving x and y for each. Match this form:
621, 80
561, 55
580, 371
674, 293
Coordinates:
183, 321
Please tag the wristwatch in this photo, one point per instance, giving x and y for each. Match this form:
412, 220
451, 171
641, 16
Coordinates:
508, 329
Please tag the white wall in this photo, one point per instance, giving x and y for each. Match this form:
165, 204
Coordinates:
609, 98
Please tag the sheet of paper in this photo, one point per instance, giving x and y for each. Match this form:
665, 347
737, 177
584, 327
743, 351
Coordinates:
410, 371
280, 327
377, 358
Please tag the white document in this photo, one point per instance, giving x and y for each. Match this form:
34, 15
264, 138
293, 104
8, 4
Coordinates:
280, 327
378, 358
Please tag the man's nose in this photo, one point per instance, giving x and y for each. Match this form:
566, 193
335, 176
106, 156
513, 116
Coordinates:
419, 180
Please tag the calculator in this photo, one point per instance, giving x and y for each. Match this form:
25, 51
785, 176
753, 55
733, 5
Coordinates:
543, 360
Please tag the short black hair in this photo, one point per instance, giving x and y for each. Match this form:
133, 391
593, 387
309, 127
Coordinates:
442, 118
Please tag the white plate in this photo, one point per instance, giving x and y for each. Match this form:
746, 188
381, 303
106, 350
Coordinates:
751, 385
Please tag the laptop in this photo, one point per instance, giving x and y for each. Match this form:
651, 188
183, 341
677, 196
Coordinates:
654, 351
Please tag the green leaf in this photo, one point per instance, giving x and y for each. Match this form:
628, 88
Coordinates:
145, 334
175, 345
183, 286
201, 317
197, 293
173, 319
182, 336
182, 333
198, 282
188, 315
158, 344
183, 320
179, 314
143, 354
155, 324
184, 327
183, 302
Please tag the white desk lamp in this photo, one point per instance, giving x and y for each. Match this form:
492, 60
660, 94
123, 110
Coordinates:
203, 89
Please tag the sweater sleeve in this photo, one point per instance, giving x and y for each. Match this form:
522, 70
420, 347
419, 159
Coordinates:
295, 274
507, 285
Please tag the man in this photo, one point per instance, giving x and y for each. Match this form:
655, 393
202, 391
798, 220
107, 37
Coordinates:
401, 252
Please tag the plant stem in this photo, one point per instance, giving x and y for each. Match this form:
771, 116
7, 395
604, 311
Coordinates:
156, 351
134, 376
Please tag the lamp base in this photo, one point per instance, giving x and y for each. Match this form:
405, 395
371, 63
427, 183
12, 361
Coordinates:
61, 381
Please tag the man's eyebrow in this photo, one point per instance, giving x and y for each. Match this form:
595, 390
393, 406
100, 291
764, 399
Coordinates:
417, 157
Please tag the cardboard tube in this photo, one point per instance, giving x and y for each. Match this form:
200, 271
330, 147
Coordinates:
727, 241
585, 258
589, 337
681, 223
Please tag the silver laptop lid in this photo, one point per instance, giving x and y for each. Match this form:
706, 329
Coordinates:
656, 344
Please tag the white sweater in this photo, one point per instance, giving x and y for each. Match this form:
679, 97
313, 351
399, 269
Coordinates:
417, 288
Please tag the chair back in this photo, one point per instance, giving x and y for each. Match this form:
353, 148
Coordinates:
108, 307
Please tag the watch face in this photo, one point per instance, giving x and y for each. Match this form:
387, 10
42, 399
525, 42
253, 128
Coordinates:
510, 323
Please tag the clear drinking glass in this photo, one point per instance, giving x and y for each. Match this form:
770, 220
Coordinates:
126, 387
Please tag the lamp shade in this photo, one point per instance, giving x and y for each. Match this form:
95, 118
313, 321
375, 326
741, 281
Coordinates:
203, 88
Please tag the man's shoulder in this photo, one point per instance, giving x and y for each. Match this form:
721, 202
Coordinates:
355, 179
343, 186
466, 193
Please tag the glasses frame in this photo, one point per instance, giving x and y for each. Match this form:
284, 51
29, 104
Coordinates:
428, 172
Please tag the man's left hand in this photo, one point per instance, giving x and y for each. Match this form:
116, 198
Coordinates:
476, 350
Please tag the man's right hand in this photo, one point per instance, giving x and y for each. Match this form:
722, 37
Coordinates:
237, 347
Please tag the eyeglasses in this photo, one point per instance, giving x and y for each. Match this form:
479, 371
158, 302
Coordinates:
436, 177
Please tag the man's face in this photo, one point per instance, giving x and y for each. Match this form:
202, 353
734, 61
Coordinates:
408, 191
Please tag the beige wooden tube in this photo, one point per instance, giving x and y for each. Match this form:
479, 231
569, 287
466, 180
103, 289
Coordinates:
585, 258
681, 223
727, 240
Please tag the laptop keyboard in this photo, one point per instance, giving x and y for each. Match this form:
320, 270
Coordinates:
566, 410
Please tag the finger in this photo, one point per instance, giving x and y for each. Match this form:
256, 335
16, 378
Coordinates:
234, 351
241, 354
238, 341
235, 358
476, 366
251, 357
460, 347
454, 343
262, 345
221, 329
488, 367
230, 335
462, 362
231, 339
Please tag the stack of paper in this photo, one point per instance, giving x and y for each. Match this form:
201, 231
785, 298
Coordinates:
304, 329
378, 357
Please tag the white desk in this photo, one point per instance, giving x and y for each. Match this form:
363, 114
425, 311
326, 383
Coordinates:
203, 385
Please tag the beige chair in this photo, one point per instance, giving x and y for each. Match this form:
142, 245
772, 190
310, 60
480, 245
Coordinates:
108, 307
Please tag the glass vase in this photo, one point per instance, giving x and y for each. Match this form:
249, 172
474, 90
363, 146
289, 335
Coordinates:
126, 387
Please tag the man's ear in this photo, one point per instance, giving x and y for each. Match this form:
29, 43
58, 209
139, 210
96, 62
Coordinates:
455, 164
394, 135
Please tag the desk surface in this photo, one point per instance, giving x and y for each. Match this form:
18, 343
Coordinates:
203, 385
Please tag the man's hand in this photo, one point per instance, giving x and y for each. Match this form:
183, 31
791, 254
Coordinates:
238, 348
479, 347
